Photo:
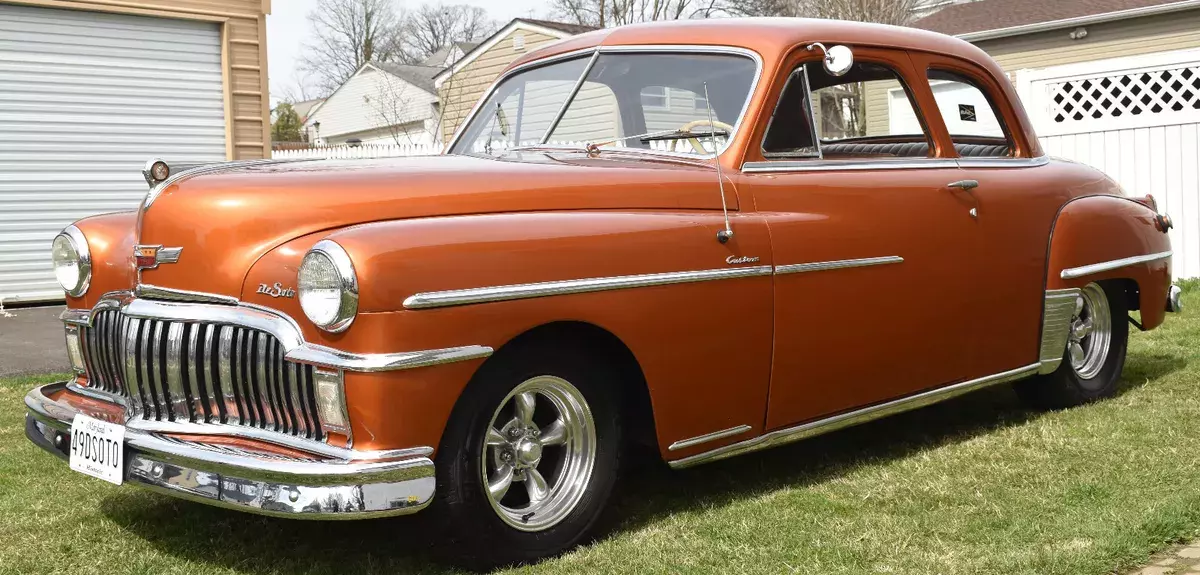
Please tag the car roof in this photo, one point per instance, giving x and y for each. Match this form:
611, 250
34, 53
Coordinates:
771, 38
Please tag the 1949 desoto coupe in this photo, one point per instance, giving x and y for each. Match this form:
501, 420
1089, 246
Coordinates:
709, 237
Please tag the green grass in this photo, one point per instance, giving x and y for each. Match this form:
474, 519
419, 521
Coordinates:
978, 485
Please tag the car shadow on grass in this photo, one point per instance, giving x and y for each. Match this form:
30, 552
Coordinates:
650, 492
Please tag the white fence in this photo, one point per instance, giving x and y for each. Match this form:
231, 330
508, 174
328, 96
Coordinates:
1138, 120
368, 151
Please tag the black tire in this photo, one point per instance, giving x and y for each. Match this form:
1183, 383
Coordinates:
480, 539
1065, 387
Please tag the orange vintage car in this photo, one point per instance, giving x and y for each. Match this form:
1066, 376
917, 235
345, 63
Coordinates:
709, 237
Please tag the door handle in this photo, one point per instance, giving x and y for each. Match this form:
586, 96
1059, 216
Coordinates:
964, 185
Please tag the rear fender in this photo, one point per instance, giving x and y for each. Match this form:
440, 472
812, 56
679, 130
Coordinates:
1112, 237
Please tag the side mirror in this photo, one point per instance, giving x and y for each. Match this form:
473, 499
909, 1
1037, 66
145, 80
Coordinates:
838, 59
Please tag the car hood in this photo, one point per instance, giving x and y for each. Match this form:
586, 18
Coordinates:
227, 220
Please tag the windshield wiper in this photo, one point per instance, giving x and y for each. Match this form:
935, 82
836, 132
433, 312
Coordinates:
684, 135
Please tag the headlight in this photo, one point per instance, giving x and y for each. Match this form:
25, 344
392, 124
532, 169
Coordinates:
328, 288
72, 261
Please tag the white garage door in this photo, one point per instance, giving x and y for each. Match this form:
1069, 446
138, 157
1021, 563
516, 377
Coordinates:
85, 99
1138, 120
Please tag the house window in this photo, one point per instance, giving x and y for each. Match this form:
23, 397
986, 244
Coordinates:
654, 97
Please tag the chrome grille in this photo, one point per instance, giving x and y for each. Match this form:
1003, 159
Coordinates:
200, 373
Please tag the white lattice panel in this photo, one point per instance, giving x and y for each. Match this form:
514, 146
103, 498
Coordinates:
1136, 93
1137, 119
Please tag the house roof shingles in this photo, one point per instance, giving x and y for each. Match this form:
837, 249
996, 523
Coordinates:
986, 15
563, 27
419, 76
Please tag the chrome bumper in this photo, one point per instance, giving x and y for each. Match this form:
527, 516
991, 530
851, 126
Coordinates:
317, 487
1174, 305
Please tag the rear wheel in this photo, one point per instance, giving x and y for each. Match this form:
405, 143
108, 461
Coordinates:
529, 458
1096, 344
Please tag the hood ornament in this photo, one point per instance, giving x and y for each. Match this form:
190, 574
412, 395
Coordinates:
149, 257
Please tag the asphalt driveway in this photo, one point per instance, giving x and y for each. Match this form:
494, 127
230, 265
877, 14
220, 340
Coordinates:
31, 341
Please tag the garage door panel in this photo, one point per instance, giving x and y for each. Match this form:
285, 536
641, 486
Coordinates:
85, 99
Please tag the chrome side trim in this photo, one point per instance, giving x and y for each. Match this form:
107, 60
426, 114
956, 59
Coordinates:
428, 300
815, 165
837, 265
1003, 162
1056, 326
1081, 271
650, 48
319, 355
686, 443
805, 430
223, 310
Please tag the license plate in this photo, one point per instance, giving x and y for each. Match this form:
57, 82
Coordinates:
98, 448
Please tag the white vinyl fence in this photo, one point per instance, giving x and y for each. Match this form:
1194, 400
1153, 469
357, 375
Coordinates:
1138, 120
368, 151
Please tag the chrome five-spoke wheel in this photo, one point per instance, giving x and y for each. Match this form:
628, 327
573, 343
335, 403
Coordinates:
1090, 332
539, 451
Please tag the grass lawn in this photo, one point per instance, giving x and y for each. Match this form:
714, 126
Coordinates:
977, 485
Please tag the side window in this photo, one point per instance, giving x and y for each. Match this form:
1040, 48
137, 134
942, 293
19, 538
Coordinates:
867, 113
970, 116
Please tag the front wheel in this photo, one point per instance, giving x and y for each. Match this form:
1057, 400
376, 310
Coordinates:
529, 458
1095, 356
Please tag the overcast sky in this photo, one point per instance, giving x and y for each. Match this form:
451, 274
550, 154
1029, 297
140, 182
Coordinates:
288, 28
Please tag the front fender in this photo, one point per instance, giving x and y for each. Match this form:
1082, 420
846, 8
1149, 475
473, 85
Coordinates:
704, 347
1109, 237
110, 239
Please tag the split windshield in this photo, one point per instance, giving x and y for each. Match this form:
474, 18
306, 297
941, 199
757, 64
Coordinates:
628, 100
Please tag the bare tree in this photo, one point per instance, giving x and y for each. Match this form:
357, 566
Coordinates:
392, 107
348, 34
608, 13
435, 26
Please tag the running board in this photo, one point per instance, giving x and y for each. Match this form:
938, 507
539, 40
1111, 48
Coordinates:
812, 429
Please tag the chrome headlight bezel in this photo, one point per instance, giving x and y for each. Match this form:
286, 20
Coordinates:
83, 260
331, 320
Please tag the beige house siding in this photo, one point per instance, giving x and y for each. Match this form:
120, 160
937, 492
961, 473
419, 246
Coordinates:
1162, 33
244, 55
462, 90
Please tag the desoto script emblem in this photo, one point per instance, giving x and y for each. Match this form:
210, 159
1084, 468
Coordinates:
276, 290
731, 260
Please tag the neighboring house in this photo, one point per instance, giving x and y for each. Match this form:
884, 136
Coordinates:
93, 89
447, 56
461, 85
303, 109
1111, 83
382, 103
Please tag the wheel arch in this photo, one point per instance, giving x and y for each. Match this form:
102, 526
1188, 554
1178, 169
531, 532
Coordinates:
601, 344
1100, 229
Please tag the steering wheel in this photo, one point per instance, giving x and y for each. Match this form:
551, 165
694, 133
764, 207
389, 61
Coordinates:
696, 145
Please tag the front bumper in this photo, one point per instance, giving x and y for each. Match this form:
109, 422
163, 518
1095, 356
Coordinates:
266, 481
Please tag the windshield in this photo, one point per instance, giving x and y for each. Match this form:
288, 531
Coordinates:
653, 101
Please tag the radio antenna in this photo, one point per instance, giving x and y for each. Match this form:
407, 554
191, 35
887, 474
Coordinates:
723, 235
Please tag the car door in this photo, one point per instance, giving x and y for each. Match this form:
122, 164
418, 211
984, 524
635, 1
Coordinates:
874, 256
1015, 206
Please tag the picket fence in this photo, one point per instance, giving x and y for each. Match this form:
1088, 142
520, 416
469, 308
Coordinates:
354, 152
